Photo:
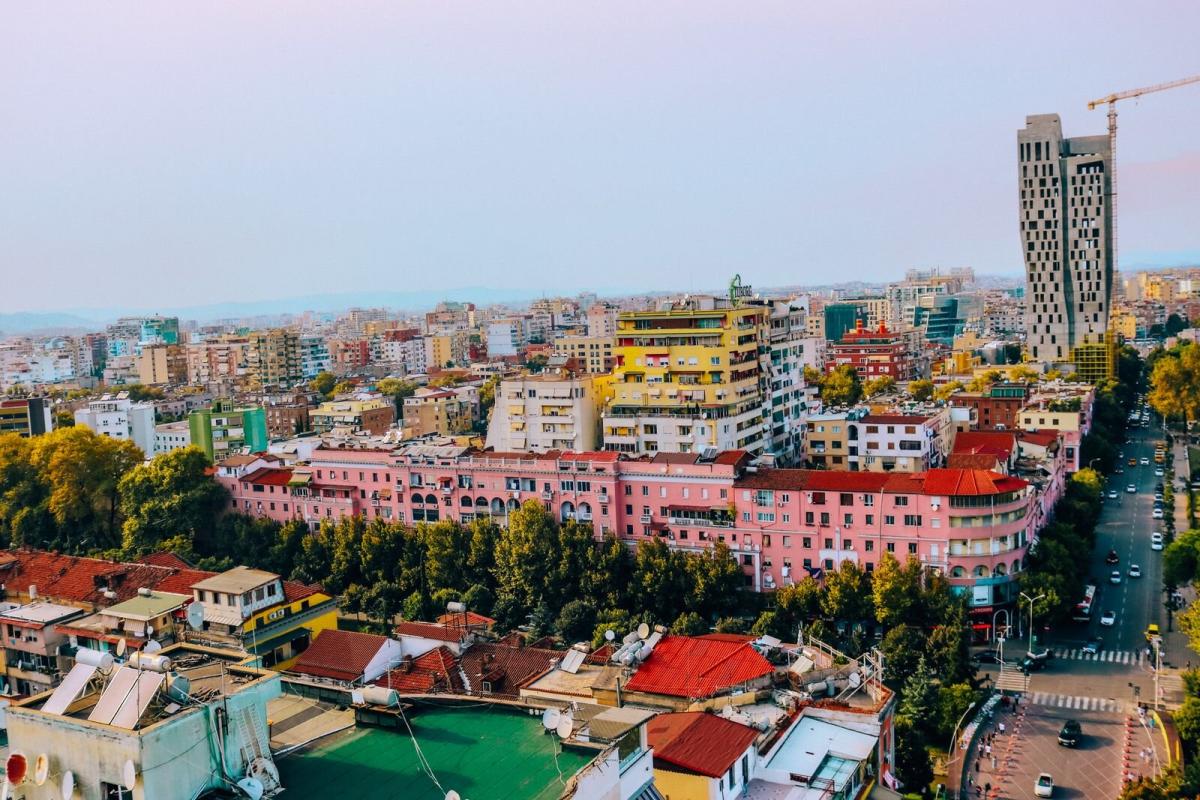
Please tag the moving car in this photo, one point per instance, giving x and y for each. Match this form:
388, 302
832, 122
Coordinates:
1152, 631
1112, 557
1112, 494
1108, 619
1145, 462
1156, 541
1133, 462
1135, 571
988, 657
1093, 646
1043, 786
1115, 577
1131, 489
1157, 513
1070, 733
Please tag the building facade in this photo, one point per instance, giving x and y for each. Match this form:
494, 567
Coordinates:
225, 429
536, 413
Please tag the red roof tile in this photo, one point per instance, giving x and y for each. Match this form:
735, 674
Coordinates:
506, 669
698, 741
295, 590
165, 560
1001, 443
954, 482
341, 655
429, 630
1043, 437
731, 457
436, 670
685, 666
270, 476
896, 419
84, 580
987, 461
473, 621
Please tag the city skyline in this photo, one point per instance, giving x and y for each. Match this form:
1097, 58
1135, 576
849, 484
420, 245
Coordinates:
558, 143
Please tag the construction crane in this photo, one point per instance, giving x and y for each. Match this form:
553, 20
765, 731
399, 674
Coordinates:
1111, 101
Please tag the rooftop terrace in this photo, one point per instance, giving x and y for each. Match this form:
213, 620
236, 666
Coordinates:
477, 751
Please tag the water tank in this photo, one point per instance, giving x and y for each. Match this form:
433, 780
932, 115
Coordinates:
380, 696
820, 687
150, 661
94, 658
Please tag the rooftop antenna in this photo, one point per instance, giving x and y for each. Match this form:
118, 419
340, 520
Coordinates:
152, 646
609, 635
564, 728
643, 630
129, 774
550, 719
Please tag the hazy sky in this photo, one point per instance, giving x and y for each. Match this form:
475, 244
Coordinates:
178, 153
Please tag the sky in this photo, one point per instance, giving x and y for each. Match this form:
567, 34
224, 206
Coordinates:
170, 153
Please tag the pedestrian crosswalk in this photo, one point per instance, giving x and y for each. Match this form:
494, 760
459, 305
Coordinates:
1132, 657
1012, 680
1076, 702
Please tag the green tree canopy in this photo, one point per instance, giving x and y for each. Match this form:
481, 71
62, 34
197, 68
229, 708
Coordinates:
172, 495
841, 387
920, 389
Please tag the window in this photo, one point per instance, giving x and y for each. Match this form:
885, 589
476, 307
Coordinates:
766, 516
912, 548
824, 517
818, 498
846, 498
900, 500
891, 547
868, 500
847, 519
847, 544
912, 520
645, 491
869, 546
889, 519
828, 543
787, 540
809, 518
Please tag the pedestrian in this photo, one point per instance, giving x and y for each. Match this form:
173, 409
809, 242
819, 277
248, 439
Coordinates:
987, 787
987, 750
979, 791
977, 765
1001, 727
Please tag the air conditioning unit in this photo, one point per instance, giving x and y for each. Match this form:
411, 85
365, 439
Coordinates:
645, 519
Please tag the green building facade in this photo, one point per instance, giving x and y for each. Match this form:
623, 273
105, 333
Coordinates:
224, 429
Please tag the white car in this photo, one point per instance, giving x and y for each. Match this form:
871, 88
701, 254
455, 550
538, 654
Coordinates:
1043, 786
1135, 571
1158, 472
1115, 577
1157, 513
1156, 541
1131, 488
1108, 619
1145, 462
1112, 494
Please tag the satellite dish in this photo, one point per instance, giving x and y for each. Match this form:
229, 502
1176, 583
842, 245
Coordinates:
253, 788
149, 630
195, 615
564, 728
550, 718
453, 795
455, 607
643, 631
16, 768
41, 768
610, 634
122, 646
152, 646
129, 774
68, 785
4, 790
727, 712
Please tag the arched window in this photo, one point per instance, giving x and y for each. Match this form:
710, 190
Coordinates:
497, 507
958, 572
585, 511
417, 500
513, 504
980, 572
568, 511
466, 502
999, 570
431, 500
1016, 567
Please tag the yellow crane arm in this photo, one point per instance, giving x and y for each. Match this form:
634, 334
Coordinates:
1112, 98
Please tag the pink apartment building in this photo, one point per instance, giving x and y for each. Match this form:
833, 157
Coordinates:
973, 525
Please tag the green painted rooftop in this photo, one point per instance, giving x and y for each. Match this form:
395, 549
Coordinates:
480, 752
146, 608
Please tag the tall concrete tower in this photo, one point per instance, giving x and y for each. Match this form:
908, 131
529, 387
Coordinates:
1066, 235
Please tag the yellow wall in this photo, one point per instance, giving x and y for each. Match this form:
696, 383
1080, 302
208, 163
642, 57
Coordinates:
682, 786
323, 622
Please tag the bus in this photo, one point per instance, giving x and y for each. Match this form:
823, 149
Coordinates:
1083, 609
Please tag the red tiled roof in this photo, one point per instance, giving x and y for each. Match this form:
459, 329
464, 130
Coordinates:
972, 461
429, 630
163, 559
1043, 437
698, 741
896, 419
954, 482
589, 455
341, 655
270, 476
295, 590
1001, 443
473, 621
685, 666
813, 480
437, 669
731, 457
83, 580
601, 654
506, 669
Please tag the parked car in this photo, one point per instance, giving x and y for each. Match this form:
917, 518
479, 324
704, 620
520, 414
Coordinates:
1145, 462
1157, 513
1112, 494
1135, 571
1070, 733
1159, 472
1156, 541
1112, 557
1043, 786
1108, 619
988, 657
1115, 577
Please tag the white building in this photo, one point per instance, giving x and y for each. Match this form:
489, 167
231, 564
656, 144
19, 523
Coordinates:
506, 336
119, 417
788, 397
171, 436
536, 413
314, 355
409, 354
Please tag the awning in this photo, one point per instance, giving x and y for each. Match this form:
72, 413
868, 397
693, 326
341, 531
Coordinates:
222, 615
259, 646
300, 479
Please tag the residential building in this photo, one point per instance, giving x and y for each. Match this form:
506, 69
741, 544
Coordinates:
97, 734
547, 411
701, 755
507, 336
787, 397
270, 618
687, 379
287, 415
32, 645
994, 409
118, 417
172, 436
348, 657
274, 357
225, 429
148, 616
872, 354
162, 365
593, 354
1066, 236
445, 411
25, 416
374, 416
839, 318
681, 670
314, 356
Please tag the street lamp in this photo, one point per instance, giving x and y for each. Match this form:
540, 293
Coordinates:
954, 744
1031, 601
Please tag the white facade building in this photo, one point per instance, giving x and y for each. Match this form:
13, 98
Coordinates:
536, 413
118, 417
506, 336
171, 436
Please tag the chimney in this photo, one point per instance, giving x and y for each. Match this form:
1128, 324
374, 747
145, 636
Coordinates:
858, 325
406, 664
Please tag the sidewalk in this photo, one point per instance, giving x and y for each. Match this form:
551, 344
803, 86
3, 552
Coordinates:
963, 777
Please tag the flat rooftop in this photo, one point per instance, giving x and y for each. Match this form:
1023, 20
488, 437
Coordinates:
477, 751
39, 613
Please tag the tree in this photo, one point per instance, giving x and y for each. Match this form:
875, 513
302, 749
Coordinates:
841, 387
536, 363
689, 623
847, 593
659, 579
323, 383
730, 625
447, 551
1175, 382
715, 581
1181, 558
576, 621
920, 389
918, 701
878, 386
1023, 374
912, 758
398, 390
617, 620
526, 555
343, 387
1175, 324
894, 589
983, 382
612, 573
171, 495
901, 646
943, 392
952, 703
141, 394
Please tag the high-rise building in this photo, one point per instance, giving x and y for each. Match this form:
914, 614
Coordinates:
225, 429
274, 357
1066, 235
